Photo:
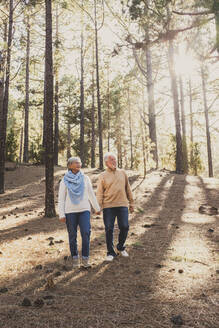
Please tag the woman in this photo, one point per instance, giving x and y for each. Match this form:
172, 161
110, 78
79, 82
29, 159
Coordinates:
75, 195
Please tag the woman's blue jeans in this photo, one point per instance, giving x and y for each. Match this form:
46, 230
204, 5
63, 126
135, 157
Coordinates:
83, 220
109, 216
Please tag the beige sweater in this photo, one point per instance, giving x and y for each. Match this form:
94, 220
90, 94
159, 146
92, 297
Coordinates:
113, 189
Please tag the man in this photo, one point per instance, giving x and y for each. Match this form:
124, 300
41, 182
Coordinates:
114, 196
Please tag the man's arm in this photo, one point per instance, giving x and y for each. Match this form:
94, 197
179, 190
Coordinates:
129, 193
100, 191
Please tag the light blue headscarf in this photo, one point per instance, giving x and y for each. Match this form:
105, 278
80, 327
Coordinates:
75, 185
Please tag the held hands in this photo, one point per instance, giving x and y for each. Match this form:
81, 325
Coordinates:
62, 220
98, 213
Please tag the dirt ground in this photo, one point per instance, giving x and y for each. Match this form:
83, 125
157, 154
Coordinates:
170, 279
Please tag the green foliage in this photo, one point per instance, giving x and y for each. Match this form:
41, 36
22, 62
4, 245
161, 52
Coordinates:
76, 149
169, 160
36, 151
195, 164
11, 146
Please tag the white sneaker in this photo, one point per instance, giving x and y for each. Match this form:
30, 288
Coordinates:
109, 258
124, 253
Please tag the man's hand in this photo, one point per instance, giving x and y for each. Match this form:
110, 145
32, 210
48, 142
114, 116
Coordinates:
62, 220
131, 209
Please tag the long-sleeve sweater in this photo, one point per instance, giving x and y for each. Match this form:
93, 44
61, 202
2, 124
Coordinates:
65, 204
113, 189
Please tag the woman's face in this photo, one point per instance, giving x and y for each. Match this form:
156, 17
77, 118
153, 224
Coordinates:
75, 166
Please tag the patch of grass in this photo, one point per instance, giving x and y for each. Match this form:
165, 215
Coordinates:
137, 244
139, 210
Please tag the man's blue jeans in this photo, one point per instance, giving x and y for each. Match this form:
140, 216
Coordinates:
83, 220
109, 216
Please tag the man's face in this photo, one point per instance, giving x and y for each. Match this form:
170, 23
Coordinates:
111, 162
75, 166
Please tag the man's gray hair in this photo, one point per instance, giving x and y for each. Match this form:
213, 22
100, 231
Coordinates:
107, 155
72, 160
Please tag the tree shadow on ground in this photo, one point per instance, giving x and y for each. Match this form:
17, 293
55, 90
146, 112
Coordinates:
114, 294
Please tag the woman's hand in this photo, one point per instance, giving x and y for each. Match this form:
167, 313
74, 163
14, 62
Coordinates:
98, 213
62, 220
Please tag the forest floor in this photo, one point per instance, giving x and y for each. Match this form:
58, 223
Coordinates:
171, 278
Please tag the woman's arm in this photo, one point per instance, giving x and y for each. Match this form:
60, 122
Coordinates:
61, 199
91, 196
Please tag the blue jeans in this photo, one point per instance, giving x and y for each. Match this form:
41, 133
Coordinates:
109, 216
83, 220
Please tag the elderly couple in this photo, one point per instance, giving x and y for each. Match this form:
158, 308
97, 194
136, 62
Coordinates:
113, 197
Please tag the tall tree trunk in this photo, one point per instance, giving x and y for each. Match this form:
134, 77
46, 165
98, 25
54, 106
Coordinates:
69, 140
2, 69
27, 80
191, 122
82, 152
98, 91
4, 107
142, 128
56, 98
49, 160
108, 110
130, 130
183, 119
151, 109
208, 135
21, 139
93, 141
179, 154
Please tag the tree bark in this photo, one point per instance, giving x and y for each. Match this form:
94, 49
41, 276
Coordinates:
69, 140
108, 111
27, 79
56, 98
93, 139
82, 153
21, 140
183, 119
151, 109
98, 91
179, 156
130, 130
191, 121
4, 107
208, 135
49, 155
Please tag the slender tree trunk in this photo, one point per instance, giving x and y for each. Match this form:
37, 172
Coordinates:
4, 107
98, 91
44, 122
82, 153
93, 141
108, 111
208, 135
191, 122
179, 155
151, 109
49, 154
130, 130
21, 139
2, 69
143, 137
56, 132
69, 140
183, 119
27, 79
